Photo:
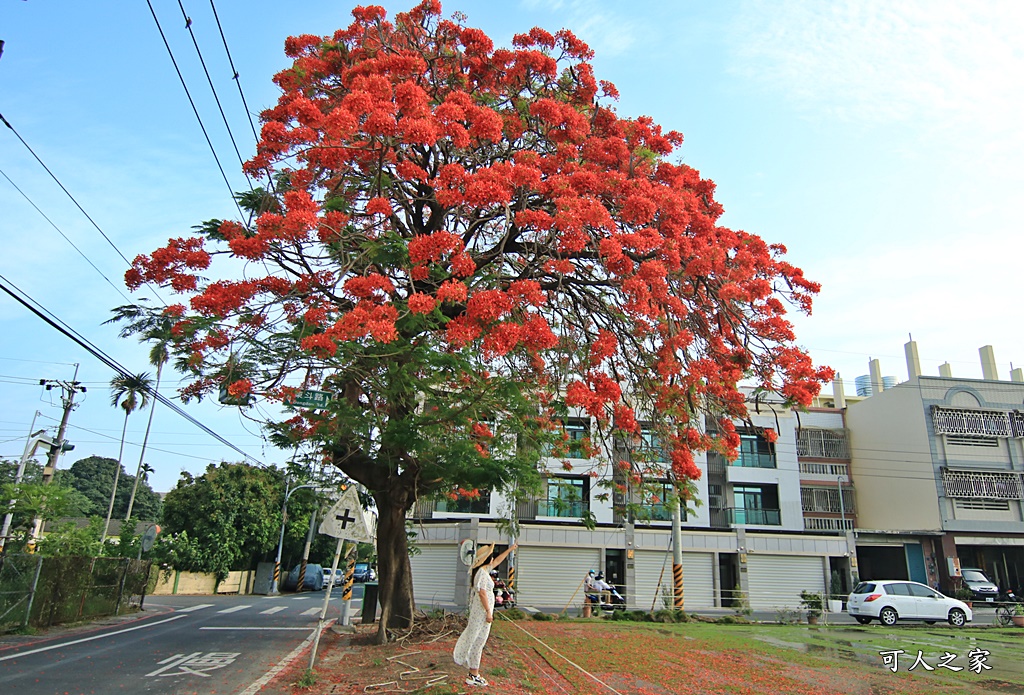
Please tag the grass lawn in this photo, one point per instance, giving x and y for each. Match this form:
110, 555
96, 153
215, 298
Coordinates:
671, 659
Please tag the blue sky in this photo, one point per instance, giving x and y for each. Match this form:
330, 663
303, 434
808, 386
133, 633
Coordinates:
879, 141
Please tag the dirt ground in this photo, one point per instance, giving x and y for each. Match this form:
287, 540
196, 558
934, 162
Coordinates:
569, 657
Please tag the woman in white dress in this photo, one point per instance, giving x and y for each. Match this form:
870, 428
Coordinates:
471, 642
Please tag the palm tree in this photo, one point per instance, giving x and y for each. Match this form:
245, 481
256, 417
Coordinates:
128, 392
152, 326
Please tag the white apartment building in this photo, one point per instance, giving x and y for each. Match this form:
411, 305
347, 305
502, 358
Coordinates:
749, 534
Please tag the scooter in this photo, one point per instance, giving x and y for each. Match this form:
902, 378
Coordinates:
503, 596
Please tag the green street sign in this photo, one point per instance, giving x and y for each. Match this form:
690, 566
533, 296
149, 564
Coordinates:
309, 398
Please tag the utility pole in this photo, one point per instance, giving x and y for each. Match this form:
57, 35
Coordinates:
30, 447
68, 391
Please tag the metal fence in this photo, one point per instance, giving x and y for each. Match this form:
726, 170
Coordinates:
43, 591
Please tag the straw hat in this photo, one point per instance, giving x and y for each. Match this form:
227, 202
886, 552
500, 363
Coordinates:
482, 553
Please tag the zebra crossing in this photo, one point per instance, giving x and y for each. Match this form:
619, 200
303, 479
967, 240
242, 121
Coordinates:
310, 608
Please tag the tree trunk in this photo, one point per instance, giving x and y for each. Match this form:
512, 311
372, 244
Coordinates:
394, 571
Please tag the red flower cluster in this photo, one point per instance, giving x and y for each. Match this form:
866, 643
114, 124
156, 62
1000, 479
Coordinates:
492, 194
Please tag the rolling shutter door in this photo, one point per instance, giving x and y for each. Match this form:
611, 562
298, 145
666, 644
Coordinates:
433, 574
775, 581
547, 577
698, 580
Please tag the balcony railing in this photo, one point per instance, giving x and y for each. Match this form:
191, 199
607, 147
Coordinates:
748, 459
815, 523
825, 470
562, 508
761, 517
984, 484
822, 443
826, 499
973, 423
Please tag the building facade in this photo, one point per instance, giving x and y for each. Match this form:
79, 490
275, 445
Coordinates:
769, 524
938, 464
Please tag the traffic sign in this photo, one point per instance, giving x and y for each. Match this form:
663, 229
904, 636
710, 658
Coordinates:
347, 519
310, 398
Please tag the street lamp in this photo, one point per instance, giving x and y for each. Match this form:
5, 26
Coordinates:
280, 543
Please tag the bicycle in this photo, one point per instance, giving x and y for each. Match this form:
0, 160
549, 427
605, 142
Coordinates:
1005, 613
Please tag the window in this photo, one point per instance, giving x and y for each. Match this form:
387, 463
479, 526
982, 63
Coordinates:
650, 445
755, 452
577, 429
922, 591
756, 504
897, 589
983, 505
660, 511
566, 497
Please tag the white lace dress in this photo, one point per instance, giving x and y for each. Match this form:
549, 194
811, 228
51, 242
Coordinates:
472, 640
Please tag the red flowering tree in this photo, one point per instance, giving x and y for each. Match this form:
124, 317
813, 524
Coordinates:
464, 241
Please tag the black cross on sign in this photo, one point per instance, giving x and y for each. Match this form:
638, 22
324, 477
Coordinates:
344, 519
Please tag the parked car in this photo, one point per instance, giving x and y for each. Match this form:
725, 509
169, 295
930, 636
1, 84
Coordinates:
339, 577
313, 581
891, 600
328, 578
364, 573
982, 588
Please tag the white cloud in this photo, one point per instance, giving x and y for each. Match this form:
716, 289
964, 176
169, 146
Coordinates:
929, 62
607, 32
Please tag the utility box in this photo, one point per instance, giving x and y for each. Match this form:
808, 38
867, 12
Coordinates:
264, 578
953, 566
369, 602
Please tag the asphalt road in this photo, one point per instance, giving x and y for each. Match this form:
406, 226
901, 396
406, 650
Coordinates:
180, 644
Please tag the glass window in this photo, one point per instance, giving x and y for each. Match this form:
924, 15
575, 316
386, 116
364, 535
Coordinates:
974, 576
864, 588
897, 589
755, 452
923, 591
466, 505
566, 497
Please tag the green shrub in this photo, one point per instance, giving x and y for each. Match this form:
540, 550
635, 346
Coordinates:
514, 614
543, 616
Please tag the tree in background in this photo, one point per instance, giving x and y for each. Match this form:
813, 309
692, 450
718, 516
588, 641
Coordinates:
463, 243
32, 499
230, 515
156, 330
93, 476
127, 392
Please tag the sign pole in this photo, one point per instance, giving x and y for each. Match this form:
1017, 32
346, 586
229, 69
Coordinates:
350, 568
327, 599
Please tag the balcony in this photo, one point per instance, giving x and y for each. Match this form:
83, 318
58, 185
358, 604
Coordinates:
815, 523
749, 459
758, 517
827, 500
562, 508
826, 471
822, 443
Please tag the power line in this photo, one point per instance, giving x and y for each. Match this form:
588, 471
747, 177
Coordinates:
216, 97
96, 352
53, 224
234, 76
195, 110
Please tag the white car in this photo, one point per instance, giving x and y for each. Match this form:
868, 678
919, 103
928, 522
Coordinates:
892, 600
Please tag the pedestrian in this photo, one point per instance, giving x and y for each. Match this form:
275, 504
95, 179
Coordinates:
471, 642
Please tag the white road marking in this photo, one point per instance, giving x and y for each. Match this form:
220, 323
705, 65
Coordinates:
88, 639
271, 611
254, 628
300, 598
197, 607
282, 664
310, 611
234, 609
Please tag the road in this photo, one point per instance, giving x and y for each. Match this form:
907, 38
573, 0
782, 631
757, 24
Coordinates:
182, 644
